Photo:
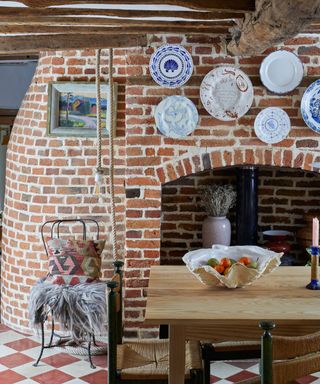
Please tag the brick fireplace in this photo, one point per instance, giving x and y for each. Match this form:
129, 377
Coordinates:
53, 177
284, 196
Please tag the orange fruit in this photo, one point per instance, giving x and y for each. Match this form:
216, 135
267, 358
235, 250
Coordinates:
244, 260
225, 262
219, 268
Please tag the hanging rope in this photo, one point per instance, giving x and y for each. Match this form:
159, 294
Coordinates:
98, 92
111, 155
99, 175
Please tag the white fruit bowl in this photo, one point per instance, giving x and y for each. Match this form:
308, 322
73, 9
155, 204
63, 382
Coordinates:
239, 275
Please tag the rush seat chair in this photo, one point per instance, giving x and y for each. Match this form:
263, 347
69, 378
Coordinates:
285, 359
141, 362
229, 350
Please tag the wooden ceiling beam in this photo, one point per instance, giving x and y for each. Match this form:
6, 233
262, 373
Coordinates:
36, 43
230, 5
24, 57
83, 21
170, 28
273, 22
124, 13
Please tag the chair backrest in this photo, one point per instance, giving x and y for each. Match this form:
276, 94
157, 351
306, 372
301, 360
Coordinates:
115, 331
285, 359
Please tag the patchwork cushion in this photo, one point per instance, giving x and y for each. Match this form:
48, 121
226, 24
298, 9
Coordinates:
74, 261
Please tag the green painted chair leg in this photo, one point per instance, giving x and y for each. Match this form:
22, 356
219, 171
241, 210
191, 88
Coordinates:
112, 336
266, 352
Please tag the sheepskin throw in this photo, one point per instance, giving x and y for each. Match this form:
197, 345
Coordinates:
80, 309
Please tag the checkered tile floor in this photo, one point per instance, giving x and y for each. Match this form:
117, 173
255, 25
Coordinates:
18, 352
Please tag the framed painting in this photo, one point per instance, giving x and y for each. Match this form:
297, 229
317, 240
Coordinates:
72, 109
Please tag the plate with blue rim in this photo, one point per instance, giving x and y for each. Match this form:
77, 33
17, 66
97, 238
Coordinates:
272, 125
310, 106
176, 116
171, 66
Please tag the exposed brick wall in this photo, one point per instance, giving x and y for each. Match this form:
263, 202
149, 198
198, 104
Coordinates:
285, 195
50, 177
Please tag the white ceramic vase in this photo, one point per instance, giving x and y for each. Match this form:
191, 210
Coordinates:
216, 230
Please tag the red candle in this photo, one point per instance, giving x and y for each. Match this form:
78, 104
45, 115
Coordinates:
315, 232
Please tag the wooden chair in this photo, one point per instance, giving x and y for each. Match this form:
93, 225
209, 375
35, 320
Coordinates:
230, 350
141, 362
285, 359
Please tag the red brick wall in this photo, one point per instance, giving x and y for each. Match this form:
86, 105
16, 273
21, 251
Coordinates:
50, 177
53, 177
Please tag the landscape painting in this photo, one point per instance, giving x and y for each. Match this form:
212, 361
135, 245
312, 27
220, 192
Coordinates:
73, 109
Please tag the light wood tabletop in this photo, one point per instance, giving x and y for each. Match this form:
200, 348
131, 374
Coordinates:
194, 311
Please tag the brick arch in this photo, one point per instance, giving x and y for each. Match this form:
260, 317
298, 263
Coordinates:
194, 163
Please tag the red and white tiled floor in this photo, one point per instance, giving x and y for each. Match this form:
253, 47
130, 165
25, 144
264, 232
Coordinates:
18, 352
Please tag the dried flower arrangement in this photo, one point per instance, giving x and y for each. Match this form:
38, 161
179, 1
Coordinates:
217, 200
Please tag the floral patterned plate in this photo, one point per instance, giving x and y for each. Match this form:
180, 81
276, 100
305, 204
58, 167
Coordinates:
171, 66
310, 106
176, 116
272, 125
226, 93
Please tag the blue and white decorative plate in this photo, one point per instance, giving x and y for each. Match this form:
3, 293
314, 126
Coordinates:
176, 116
272, 125
171, 66
310, 106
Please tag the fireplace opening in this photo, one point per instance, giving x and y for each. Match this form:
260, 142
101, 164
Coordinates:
286, 200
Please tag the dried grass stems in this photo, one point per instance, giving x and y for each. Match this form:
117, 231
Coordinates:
217, 200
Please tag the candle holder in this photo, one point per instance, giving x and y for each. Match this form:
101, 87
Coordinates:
314, 283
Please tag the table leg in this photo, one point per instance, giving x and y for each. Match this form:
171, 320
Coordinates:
177, 354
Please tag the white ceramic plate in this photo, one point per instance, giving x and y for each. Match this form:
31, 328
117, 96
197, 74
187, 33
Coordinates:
176, 116
281, 71
310, 106
272, 125
171, 66
226, 93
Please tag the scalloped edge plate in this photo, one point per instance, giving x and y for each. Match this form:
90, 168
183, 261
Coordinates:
226, 93
281, 72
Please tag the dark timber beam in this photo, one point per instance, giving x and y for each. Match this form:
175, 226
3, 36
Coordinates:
97, 21
36, 43
6, 12
273, 22
25, 30
233, 5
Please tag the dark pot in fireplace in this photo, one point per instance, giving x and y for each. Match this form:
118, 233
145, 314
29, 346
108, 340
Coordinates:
216, 230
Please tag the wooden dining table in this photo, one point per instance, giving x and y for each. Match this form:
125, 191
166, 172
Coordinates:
194, 311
